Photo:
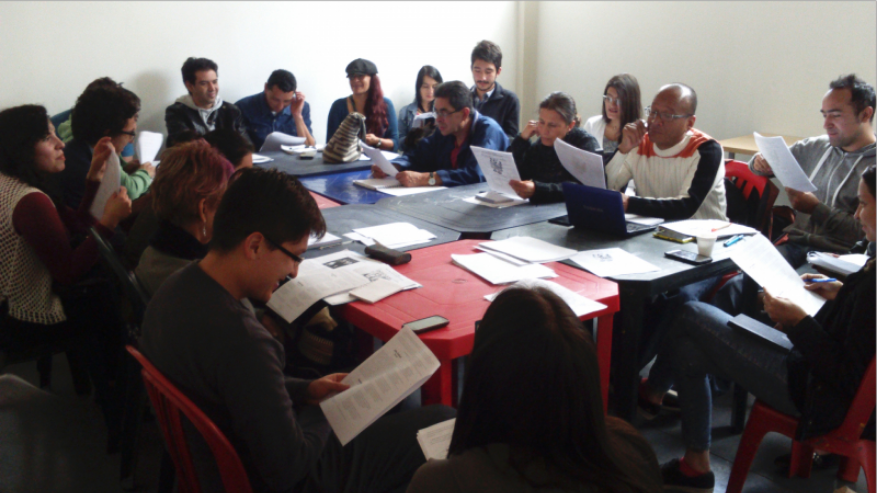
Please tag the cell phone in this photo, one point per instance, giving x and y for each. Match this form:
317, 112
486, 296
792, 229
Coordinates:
688, 257
426, 324
308, 154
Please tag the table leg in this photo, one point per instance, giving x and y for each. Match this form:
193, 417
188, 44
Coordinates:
439, 388
604, 355
625, 363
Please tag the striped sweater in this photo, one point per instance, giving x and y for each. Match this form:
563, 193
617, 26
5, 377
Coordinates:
684, 181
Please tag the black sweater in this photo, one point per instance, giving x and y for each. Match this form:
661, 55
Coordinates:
540, 163
831, 353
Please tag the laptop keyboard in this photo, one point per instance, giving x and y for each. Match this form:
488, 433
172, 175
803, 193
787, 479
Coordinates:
636, 228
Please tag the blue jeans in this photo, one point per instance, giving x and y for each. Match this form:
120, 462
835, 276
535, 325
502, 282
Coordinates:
701, 343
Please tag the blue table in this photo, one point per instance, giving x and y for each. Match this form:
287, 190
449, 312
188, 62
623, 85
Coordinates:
309, 167
340, 188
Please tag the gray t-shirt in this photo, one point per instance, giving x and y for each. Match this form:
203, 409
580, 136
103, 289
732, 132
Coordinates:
214, 349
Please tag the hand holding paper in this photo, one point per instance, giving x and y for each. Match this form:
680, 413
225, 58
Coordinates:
585, 166
380, 161
110, 178
148, 145
498, 169
783, 163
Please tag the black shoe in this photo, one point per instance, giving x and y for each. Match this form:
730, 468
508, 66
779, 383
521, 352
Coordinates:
674, 480
671, 402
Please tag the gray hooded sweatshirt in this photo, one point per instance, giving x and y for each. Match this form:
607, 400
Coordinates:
209, 122
836, 174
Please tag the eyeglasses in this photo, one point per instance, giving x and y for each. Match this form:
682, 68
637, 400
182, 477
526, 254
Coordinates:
289, 254
663, 115
611, 100
445, 113
131, 133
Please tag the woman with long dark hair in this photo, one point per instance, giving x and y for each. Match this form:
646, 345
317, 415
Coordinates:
531, 415
621, 105
428, 77
368, 100
38, 302
540, 168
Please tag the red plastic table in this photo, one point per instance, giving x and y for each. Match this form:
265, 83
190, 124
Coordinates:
323, 202
458, 295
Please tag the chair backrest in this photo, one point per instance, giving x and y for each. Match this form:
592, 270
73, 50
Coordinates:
861, 409
130, 284
60, 118
168, 402
747, 182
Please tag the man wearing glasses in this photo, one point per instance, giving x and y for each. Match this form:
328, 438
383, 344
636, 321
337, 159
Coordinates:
678, 170
445, 157
198, 332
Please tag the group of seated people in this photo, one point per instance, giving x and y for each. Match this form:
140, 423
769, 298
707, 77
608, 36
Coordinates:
211, 238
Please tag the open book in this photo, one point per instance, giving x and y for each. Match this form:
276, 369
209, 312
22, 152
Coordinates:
389, 375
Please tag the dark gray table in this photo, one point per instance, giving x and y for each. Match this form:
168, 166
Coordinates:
309, 167
446, 208
344, 219
635, 289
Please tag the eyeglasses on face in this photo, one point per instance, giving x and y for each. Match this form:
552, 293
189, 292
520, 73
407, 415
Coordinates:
611, 100
289, 254
444, 113
663, 115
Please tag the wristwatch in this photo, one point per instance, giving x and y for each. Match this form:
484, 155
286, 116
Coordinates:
431, 178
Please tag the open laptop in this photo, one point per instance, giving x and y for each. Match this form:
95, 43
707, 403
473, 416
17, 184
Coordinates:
599, 209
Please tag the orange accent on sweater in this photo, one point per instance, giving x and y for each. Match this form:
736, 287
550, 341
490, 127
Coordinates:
697, 139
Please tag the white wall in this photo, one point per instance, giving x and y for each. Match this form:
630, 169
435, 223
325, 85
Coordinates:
49, 51
755, 65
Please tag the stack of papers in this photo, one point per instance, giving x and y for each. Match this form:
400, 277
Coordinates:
700, 227
497, 271
376, 291
585, 166
529, 249
328, 240
389, 375
611, 262
844, 264
275, 140
436, 439
395, 235
391, 186
365, 268
761, 261
579, 305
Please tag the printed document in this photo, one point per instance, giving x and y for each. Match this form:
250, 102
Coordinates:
380, 160
585, 166
436, 439
762, 262
389, 375
610, 262
148, 145
498, 169
496, 271
362, 267
276, 139
700, 227
314, 282
579, 305
529, 249
783, 163
109, 184
396, 235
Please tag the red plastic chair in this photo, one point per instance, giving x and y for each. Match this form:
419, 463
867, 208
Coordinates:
843, 441
168, 402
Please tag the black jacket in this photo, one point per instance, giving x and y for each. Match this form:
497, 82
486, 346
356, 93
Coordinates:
831, 353
503, 106
540, 163
178, 117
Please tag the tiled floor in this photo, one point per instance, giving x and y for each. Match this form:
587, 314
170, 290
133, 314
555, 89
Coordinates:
54, 442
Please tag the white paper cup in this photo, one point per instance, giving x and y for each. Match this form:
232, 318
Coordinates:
705, 244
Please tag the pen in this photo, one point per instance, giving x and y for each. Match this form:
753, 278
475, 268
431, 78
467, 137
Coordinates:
733, 240
720, 227
814, 281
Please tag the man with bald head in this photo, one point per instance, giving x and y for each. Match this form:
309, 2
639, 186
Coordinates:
678, 170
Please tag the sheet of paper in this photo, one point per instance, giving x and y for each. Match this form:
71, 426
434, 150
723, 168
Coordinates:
783, 163
379, 160
314, 282
529, 249
389, 375
579, 305
502, 256
610, 262
699, 227
298, 149
377, 183
400, 191
844, 264
518, 201
258, 159
763, 263
109, 184
363, 267
498, 168
436, 440
358, 237
327, 240
276, 139
496, 271
585, 166
648, 221
420, 120
148, 145
376, 291
396, 235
